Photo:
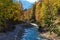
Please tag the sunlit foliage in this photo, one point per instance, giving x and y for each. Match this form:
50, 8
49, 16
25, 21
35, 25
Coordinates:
47, 13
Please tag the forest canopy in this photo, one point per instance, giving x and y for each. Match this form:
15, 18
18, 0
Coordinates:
9, 12
45, 14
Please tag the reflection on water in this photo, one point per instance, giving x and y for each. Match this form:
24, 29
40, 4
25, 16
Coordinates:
21, 34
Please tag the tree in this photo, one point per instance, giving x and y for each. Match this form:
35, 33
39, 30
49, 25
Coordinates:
9, 12
33, 18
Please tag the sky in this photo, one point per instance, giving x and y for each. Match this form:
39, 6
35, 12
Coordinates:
27, 3
31, 1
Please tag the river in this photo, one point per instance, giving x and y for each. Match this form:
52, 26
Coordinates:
22, 33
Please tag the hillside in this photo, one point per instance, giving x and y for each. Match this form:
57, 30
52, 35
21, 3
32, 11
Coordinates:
45, 14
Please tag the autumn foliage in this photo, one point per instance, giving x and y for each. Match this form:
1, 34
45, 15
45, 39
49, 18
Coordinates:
9, 13
46, 12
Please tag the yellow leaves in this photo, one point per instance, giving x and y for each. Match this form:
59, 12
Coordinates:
1, 4
38, 5
55, 2
15, 18
58, 3
9, 16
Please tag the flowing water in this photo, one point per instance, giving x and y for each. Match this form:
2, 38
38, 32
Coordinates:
20, 33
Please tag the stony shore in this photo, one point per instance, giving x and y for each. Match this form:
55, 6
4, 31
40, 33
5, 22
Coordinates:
49, 36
